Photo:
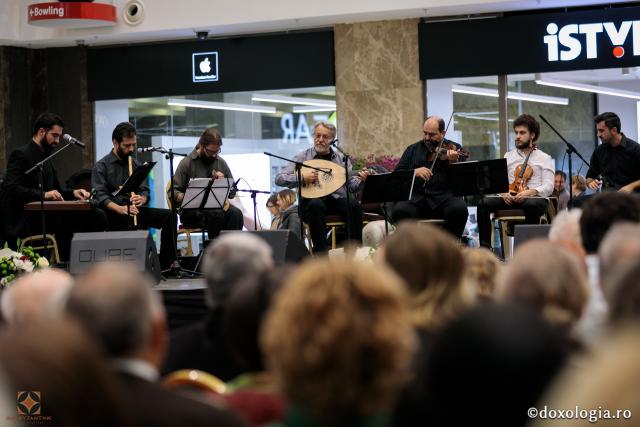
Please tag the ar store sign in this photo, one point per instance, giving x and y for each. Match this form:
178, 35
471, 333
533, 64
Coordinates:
568, 42
205, 67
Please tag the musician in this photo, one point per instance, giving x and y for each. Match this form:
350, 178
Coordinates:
314, 211
18, 189
108, 176
205, 162
531, 200
615, 164
432, 196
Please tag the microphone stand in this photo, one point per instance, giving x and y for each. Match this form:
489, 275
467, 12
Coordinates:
175, 269
255, 204
570, 150
345, 158
40, 167
298, 169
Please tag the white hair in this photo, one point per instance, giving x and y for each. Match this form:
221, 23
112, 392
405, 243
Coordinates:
621, 245
566, 227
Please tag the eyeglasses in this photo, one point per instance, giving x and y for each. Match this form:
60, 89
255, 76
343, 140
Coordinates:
212, 152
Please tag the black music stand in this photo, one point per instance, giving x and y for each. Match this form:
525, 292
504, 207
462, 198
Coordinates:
206, 193
479, 177
138, 176
394, 186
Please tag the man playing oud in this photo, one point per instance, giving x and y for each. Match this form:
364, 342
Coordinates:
315, 210
530, 196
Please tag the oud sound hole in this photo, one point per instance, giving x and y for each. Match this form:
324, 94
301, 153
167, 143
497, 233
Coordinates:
326, 177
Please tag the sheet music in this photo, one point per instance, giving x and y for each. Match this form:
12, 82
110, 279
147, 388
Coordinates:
196, 192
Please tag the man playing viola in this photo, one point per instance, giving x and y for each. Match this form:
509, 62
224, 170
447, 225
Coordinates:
432, 196
530, 197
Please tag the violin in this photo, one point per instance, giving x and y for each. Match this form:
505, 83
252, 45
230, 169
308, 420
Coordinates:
440, 151
522, 175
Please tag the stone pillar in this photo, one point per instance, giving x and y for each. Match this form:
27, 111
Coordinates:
379, 95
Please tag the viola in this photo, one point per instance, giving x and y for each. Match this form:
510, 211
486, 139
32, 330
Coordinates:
522, 175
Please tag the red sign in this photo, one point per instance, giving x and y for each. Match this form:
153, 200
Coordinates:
72, 15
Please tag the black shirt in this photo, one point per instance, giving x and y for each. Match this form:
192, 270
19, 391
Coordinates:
107, 177
18, 189
437, 189
618, 165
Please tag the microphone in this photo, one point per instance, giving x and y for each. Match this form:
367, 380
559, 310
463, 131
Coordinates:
235, 184
71, 140
146, 149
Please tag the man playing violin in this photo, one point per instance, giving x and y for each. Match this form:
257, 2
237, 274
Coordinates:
432, 196
314, 211
529, 194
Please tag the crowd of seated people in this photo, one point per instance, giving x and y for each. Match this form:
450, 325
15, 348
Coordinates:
424, 332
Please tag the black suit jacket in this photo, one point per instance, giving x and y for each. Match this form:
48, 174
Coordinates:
149, 404
18, 188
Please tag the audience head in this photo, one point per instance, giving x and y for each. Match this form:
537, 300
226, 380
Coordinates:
606, 381
338, 339
579, 184
57, 359
565, 230
120, 309
620, 246
603, 210
548, 279
233, 259
41, 294
245, 310
622, 292
560, 181
432, 266
286, 199
489, 366
483, 267
272, 205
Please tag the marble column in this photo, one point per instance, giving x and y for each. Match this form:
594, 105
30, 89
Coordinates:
379, 95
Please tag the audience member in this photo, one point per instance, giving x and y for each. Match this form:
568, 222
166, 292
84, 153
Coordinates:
558, 292
289, 218
579, 188
483, 267
488, 367
565, 231
37, 295
232, 260
59, 365
432, 266
272, 206
339, 342
119, 308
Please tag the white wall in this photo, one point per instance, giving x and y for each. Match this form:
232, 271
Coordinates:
107, 115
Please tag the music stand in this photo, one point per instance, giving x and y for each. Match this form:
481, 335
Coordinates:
388, 187
135, 180
479, 177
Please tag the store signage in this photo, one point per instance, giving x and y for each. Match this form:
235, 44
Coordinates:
570, 41
531, 42
71, 14
205, 67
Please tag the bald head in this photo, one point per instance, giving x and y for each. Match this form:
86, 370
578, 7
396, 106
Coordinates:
37, 295
433, 129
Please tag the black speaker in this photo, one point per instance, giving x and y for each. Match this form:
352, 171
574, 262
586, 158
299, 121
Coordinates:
524, 232
133, 247
285, 245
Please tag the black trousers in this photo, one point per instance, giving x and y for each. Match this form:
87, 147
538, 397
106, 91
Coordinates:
213, 220
453, 210
315, 211
150, 218
532, 208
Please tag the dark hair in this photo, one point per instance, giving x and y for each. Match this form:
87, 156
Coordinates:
611, 120
46, 121
210, 136
562, 174
530, 122
123, 130
272, 199
440, 122
601, 211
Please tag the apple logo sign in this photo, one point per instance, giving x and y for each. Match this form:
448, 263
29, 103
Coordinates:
205, 67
